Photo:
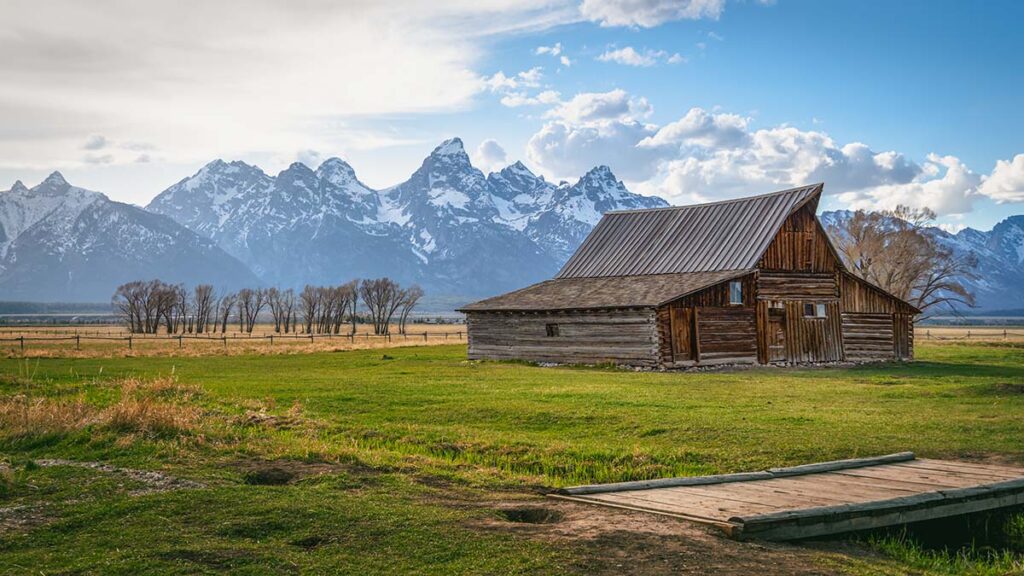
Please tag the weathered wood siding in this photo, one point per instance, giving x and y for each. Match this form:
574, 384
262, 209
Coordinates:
813, 339
800, 246
812, 287
724, 333
626, 336
863, 304
868, 336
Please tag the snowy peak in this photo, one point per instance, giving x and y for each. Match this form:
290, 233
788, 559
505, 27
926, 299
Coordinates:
18, 187
450, 147
336, 171
55, 180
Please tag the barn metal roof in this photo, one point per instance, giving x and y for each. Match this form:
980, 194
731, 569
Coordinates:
603, 292
728, 235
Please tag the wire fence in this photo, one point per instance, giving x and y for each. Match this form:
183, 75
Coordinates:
132, 339
976, 335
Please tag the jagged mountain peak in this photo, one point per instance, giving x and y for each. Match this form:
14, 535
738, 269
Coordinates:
19, 187
336, 171
450, 147
55, 179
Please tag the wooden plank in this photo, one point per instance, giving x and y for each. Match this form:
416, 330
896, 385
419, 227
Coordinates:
711, 507
932, 481
841, 464
664, 483
996, 468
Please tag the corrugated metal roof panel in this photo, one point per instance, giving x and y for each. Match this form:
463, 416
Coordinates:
729, 235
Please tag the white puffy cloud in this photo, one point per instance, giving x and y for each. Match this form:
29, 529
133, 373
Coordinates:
677, 58
517, 99
489, 156
1006, 183
589, 107
629, 56
499, 82
702, 128
945, 185
566, 150
649, 13
552, 50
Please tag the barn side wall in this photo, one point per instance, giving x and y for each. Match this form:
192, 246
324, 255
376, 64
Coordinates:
876, 325
621, 336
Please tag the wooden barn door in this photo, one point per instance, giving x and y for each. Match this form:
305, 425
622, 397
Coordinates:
682, 334
776, 336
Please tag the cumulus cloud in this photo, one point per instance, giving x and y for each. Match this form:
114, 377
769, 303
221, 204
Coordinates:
1006, 183
309, 157
95, 142
517, 99
489, 156
590, 107
567, 149
629, 56
702, 128
552, 50
945, 185
499, 82
649, 13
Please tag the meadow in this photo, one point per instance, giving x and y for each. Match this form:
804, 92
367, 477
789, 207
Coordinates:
414, 460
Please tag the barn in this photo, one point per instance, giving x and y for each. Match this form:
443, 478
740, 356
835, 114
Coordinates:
747, 281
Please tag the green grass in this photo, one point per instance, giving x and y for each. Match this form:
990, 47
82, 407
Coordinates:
407, 444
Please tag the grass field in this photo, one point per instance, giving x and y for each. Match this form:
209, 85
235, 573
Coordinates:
413, 460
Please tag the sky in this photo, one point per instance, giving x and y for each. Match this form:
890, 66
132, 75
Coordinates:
913, 103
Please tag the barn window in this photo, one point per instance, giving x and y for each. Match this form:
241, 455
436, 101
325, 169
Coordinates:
551, 329
735, 292
814, 310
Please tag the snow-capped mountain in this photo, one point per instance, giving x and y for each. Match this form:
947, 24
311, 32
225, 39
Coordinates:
999, 254
448, 227
61, 242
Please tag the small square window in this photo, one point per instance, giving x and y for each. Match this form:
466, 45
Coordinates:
735, 293
814, 310
551, 330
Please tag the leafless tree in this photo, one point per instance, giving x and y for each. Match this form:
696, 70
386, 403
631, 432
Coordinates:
203, 305
275, 301
410, 297
382, 299
224, 307
250, 303
893, 250
309, 301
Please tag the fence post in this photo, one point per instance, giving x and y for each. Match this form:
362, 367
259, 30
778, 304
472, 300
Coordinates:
271, 339
129, 341
225, 340
179, 341
78, 342
424, 336
310, 337
22, 339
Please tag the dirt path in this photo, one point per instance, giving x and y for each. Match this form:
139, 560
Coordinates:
638, 543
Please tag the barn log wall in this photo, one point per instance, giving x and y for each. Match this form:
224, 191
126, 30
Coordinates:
775, 285
621, 336
726, 335
865, 308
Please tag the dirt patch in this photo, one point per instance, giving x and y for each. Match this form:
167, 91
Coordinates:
16, 518
1009, 387
636, 543
281, 472
154, 481
531, 515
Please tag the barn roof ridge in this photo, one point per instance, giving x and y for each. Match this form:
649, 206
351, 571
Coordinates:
717, 202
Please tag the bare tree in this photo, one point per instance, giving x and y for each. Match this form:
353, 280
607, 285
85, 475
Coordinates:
203, 304
288, 308
382, 299
275, 301
224, 307
250, 303
409, 298
309, 301
893, 250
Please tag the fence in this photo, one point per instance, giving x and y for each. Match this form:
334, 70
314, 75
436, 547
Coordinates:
131, 339
982, 335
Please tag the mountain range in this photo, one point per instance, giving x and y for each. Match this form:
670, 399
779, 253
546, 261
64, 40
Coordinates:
448, 227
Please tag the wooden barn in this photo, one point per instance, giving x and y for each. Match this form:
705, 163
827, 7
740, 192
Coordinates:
752, 280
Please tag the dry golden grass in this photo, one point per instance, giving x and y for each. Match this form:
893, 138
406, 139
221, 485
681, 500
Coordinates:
161, 345
139, 410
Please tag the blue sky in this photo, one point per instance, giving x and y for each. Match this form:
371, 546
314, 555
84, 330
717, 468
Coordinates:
888, 102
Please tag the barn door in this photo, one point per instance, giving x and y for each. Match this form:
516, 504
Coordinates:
776, 335
682, 334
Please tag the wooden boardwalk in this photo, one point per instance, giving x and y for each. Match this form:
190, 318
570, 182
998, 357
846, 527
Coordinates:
820, 499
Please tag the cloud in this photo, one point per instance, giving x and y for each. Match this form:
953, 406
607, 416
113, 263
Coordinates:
98, 158
489, 156
94, 142
701, 128
567, 150
499, 82
1006, 183
552, 50
565, 61
677, 58
517, 99
590, 107
311, 158
945, 185
649, 13
630, 57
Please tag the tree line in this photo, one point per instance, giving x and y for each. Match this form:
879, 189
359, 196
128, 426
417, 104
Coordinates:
149, 306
